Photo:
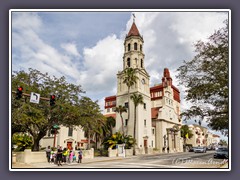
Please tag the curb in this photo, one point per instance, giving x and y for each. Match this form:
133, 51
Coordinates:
104, 160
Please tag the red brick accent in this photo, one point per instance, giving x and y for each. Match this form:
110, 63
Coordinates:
154, 112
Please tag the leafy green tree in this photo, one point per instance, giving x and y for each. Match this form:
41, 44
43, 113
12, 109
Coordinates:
137, 99
186, 133
121, 109
91, 118
37, 119
129, 78
207, 81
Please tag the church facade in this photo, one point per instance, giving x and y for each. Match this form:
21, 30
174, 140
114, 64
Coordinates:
158, 118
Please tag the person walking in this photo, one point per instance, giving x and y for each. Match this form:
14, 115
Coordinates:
48, 153
64, 155
71, 156
80, 156
52, 156
67, 156
59, 156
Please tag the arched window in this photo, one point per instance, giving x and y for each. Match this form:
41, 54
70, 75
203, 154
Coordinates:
135, 46
141, 63
128, 62
70, 131
129, 47
140, 47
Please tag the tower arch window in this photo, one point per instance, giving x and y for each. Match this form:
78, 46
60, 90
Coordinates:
141, 63
140, 47
128, 62
129, 47
135, 46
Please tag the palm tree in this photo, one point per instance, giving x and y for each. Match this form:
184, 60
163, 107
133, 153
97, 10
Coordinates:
137, 99
129, 78
121, 109
185, 133
101, 130
111, 123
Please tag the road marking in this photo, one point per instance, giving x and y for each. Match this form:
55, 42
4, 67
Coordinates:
135, 165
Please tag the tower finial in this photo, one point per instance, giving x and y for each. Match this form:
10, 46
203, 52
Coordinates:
133, 14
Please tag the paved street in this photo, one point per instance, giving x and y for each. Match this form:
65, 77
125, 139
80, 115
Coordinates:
173, 160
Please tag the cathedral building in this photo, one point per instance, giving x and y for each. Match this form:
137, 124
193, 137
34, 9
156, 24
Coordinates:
158, 118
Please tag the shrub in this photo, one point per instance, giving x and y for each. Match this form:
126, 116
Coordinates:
118, 138
22, 141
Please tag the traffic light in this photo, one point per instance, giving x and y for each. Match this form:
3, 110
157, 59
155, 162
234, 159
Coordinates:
19, 92
52, 100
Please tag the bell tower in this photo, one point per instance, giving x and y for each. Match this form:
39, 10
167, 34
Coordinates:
133, 49
133, 57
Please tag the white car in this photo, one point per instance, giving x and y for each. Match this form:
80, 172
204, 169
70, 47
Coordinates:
200, 150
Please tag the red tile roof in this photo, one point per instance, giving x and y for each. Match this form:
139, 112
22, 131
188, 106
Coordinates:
110, 98
157, 87
133, 31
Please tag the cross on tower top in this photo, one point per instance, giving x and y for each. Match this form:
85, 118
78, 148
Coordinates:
133, 14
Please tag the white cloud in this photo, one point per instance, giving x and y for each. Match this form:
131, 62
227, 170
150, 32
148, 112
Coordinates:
35, 53
23, 20
71, 49
101, 64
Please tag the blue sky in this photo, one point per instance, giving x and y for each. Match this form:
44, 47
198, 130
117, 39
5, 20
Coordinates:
87, 47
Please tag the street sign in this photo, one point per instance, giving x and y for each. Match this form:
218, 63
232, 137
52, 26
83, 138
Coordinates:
34, 98
55, 126
121, 150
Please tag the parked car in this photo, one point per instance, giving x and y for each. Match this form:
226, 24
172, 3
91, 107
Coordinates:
191, 149
200, 149
210, 148
221, 152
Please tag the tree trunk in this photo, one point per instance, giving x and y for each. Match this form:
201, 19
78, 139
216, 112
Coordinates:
36, 140
128, 104
54, 140
134, 129
96, 143
122, 124
36, 143
88, 139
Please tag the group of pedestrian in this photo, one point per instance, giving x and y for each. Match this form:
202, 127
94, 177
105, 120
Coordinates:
62, 156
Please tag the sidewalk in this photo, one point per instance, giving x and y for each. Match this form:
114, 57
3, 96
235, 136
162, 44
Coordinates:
51, 165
